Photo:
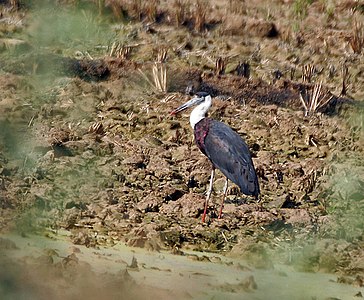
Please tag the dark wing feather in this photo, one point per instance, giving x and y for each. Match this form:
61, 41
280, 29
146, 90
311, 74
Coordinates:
229, 153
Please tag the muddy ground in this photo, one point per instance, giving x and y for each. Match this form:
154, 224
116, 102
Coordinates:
87, 144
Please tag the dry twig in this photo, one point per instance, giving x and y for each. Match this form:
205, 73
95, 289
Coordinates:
345, 82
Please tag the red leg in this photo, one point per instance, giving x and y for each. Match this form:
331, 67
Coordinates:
209, 191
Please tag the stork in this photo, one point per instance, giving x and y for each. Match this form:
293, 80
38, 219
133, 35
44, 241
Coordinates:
224, 147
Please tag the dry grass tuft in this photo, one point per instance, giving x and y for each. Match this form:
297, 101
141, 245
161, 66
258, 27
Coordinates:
307, 73
220, 66
159, 81
151, 10
180, 11
97, 128
237, 7
233, 24
171, 97
15, 4
162, 55
316, 100
357, 39
115, 6
199, 15
120, 51
159, 72
160, 77
136, 9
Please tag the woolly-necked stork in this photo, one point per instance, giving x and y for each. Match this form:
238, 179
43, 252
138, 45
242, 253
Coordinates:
226, 150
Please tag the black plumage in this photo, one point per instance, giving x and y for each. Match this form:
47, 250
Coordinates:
228, 152
224, 147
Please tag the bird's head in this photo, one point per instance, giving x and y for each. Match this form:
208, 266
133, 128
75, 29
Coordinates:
199, 98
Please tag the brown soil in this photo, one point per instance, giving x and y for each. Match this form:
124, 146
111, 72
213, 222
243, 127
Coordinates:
87, 144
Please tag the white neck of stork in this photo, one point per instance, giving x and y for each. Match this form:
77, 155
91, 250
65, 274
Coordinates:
199, 112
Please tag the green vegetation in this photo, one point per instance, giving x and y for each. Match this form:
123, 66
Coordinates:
69, 29
300, 8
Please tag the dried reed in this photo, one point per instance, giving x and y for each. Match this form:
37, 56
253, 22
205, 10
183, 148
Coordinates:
120, 51
160, 77
199, 15
312, 102
159, 72
220, 66
307, 73
237, 7
357, 39
162, 55
151, 10
180, 8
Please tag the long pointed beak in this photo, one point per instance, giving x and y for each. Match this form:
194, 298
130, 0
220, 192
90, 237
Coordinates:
192, 102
